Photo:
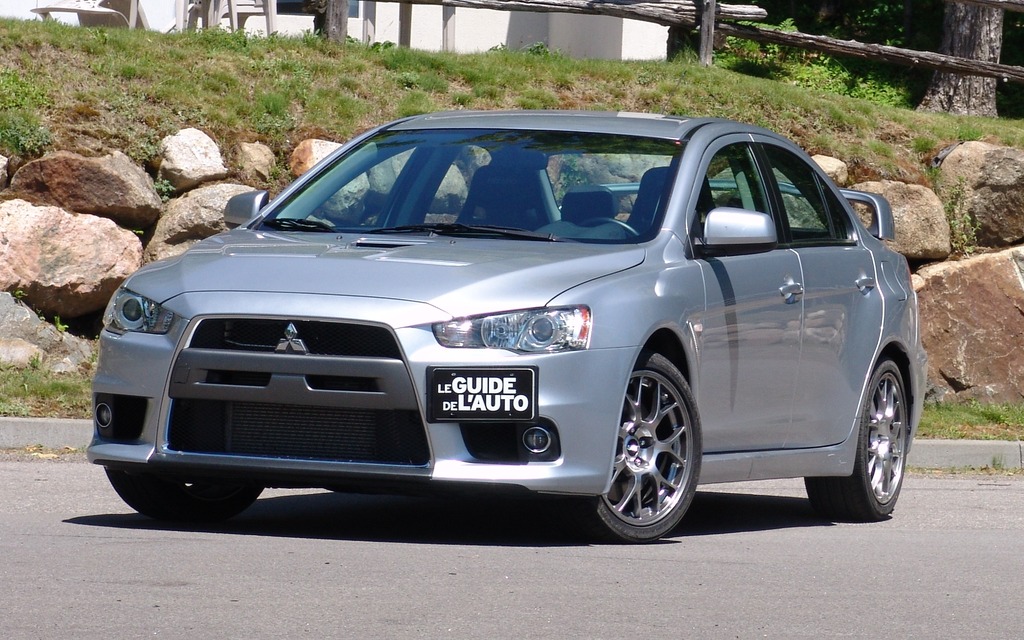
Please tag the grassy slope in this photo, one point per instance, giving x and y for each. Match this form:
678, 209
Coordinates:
95, 90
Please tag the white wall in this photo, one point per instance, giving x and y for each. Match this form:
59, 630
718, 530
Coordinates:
475, 29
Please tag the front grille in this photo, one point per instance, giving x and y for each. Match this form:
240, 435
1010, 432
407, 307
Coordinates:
345, 397
293, 431
320, 338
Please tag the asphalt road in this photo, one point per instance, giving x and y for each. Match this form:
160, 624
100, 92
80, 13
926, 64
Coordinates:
750, 560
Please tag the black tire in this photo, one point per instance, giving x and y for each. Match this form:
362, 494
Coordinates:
870, 493
657, 459
180, 501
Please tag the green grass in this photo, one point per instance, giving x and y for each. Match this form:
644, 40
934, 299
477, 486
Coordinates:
39, 393
973, 420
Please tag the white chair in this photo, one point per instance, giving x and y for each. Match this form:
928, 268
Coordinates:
212, 12
98, 13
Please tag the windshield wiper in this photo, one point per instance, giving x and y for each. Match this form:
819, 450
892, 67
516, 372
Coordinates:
466, 230
291, 224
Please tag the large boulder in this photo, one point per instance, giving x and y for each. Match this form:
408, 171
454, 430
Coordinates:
64, 264
988, 180
3, 171
190, 158
112, 186
196, 215
922, 231
972, 326
833, 168
25, 339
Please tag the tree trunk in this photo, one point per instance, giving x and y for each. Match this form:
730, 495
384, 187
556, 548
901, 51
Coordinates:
974, 32
337, 20
829, 10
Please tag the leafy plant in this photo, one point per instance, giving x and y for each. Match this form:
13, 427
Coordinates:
22, 133
963, 228
163, 188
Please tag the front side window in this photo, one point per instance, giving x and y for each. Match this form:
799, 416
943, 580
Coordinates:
732, 180
572, 186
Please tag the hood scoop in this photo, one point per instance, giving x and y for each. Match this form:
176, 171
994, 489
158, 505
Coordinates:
377, 243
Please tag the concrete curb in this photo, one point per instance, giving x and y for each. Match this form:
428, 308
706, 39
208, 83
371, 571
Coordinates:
946, 454
17, 433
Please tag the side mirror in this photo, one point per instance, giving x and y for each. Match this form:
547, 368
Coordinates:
882, 225
244, 207
729, 231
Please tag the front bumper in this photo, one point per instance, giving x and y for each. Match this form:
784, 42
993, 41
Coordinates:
300, 433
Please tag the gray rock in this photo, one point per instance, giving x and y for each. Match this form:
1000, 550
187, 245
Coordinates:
255, 159
190, 158
989, 181
833, 168
27, 339
65, 264
196, 215
922, 231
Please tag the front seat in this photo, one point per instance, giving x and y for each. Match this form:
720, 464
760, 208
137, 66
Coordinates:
509, 192
588, 203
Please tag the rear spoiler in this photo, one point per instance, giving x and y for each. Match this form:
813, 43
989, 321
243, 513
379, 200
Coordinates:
882, 225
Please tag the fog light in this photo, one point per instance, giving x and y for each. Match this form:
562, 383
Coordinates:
537, 440
104, 415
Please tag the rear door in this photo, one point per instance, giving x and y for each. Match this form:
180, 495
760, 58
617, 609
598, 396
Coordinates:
842, 305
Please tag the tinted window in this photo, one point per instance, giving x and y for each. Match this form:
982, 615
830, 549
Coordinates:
732, 180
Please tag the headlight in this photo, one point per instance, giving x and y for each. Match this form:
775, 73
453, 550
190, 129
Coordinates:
128, 311
529, 331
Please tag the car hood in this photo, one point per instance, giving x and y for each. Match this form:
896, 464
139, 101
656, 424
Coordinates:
460, 276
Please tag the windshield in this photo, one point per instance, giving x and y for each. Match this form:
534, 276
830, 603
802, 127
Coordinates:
555, 185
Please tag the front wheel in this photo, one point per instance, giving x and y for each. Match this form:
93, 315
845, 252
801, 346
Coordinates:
182, 501
870, 493
657, 457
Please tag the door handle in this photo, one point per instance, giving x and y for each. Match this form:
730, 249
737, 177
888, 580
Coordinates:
791, 291
865, 284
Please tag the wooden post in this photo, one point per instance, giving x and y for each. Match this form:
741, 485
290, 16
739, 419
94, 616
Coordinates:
369, 22
448, 28
405, 24
707, 33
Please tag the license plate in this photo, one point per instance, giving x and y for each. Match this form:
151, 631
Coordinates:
482, 394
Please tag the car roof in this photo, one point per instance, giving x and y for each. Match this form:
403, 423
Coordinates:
625, 123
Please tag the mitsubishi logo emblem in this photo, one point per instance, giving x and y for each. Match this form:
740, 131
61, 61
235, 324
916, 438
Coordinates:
291, 342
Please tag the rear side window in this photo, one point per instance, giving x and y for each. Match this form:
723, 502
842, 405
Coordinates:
812, 212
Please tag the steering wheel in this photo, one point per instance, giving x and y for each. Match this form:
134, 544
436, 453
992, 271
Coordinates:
597, 222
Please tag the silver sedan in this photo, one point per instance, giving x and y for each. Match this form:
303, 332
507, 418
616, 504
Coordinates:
605, 309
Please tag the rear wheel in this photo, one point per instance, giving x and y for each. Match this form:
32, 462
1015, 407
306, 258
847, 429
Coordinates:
870, 493
657, 457
182, 501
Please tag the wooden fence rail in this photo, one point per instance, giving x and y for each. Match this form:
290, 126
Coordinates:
881, 53
668, 13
